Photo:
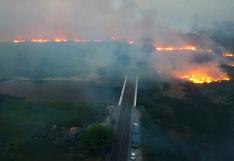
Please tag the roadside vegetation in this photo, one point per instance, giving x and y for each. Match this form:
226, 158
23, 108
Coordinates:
96, 139
50, 131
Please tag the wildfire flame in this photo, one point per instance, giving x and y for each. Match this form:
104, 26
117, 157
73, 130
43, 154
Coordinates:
190, 48
228, 54
76, 40
18, 41
39, 40
200, 76
58, 40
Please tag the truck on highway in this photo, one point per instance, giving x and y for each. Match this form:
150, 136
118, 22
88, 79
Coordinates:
135, 140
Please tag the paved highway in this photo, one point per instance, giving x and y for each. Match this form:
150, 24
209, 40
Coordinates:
120, 148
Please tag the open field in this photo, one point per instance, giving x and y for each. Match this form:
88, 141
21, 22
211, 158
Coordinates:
56, 90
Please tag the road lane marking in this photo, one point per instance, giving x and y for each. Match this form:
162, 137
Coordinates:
122, 92
135, 96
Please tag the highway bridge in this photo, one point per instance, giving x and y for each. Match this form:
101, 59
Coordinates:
127, 100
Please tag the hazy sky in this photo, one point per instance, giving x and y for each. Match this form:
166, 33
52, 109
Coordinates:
94, 19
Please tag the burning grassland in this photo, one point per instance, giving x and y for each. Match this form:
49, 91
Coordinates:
39, 40
76, 40
185, 48
200, 65
18, 41
202, 75
228, 55
198, 68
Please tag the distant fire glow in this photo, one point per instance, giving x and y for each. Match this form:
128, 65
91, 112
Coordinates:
76, 40
199, 76
18, 41
58, 40
39, 40
130, 42
228, 54
190, 48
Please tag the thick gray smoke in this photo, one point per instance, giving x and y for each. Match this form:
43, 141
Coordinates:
145, 22
92, 19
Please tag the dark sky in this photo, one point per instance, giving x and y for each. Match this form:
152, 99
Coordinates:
99, 19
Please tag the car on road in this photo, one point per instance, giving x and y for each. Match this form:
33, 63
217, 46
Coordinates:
133, 156
135, 124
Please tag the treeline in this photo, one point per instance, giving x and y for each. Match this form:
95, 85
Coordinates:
185, 130
52, 131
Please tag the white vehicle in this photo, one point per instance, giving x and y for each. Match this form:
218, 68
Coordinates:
133, 156
135, 124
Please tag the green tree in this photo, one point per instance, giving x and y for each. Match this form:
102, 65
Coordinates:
95, 139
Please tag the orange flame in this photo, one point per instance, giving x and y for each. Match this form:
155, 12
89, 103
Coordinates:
228, 54
59, 40
199, 76
18, 41
39, 40
190, 48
